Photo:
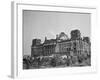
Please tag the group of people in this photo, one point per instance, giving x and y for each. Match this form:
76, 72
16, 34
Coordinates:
55, 61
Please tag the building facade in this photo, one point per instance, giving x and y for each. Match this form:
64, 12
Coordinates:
74, 46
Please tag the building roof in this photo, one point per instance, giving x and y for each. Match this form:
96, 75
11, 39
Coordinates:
64, 41
50, 42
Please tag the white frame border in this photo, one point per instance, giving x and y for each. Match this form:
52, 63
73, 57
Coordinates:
16, 67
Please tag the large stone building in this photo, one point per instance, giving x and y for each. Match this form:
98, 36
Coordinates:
74, 46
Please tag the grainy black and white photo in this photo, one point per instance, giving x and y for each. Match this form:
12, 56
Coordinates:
54, 39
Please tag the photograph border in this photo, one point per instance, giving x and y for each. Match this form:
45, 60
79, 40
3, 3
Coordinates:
16, 33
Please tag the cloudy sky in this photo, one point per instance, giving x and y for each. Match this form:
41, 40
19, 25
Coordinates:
38, 24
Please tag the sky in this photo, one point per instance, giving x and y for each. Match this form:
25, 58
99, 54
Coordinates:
38, 24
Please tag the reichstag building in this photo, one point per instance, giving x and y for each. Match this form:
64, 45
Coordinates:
63, 45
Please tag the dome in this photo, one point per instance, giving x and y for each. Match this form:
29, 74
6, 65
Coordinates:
63, 36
